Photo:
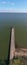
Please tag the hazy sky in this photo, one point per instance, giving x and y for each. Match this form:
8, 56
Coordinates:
13, 5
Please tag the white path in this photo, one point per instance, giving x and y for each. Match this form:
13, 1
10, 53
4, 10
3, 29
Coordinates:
12, 48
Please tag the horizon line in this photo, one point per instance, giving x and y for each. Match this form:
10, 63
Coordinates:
13, 12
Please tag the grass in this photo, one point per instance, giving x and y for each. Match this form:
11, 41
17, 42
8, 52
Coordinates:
16, 62
13, 62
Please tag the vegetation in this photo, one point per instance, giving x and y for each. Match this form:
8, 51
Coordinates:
13, 62
16, 62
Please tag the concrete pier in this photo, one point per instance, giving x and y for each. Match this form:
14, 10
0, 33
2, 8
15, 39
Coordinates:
12, 46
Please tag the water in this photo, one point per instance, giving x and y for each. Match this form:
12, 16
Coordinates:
19, 20
13, 18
